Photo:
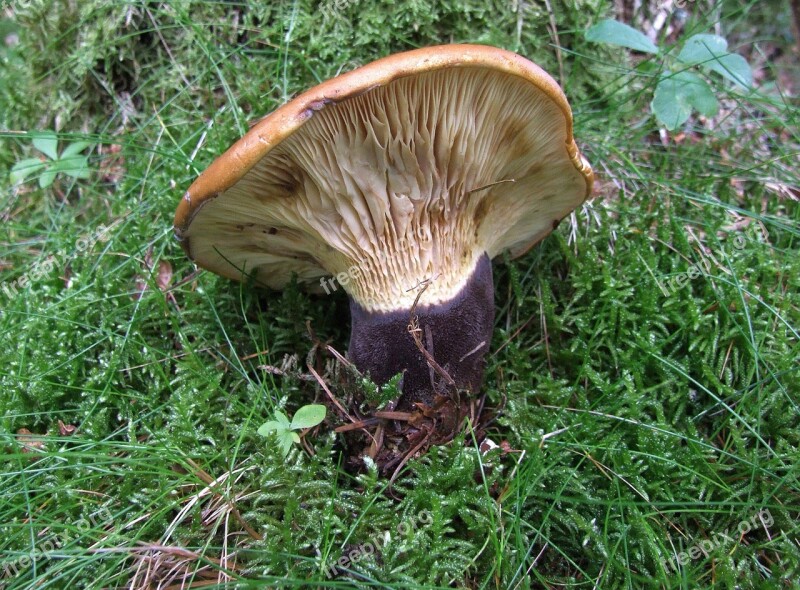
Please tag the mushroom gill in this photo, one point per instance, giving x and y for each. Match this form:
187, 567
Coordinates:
410, 181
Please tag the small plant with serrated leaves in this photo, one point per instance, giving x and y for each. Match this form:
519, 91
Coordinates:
305, 417
681, 88
379, 397
69, 161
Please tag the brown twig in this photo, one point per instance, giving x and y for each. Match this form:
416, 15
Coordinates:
408, 456
377, 442
402, 416
490, 185
357, 425
341, 358
327, 391
414, 330
253, 355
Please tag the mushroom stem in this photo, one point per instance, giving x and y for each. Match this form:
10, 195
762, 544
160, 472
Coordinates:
456, 334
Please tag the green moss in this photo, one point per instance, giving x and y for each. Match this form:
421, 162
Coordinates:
643, 364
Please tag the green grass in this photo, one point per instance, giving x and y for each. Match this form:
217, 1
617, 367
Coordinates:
649, 415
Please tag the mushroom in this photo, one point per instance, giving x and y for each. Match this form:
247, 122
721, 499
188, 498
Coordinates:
398, 181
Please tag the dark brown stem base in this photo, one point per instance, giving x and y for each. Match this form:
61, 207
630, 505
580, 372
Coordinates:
456, 334
437, 382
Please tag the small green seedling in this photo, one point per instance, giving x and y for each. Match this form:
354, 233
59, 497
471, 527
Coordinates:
378, 397
70, 162
305, 417
679, 90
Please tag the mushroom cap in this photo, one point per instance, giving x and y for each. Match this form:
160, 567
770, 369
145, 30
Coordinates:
404, 170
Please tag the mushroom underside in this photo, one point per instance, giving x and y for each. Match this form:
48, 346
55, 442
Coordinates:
408, 182
403, 194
